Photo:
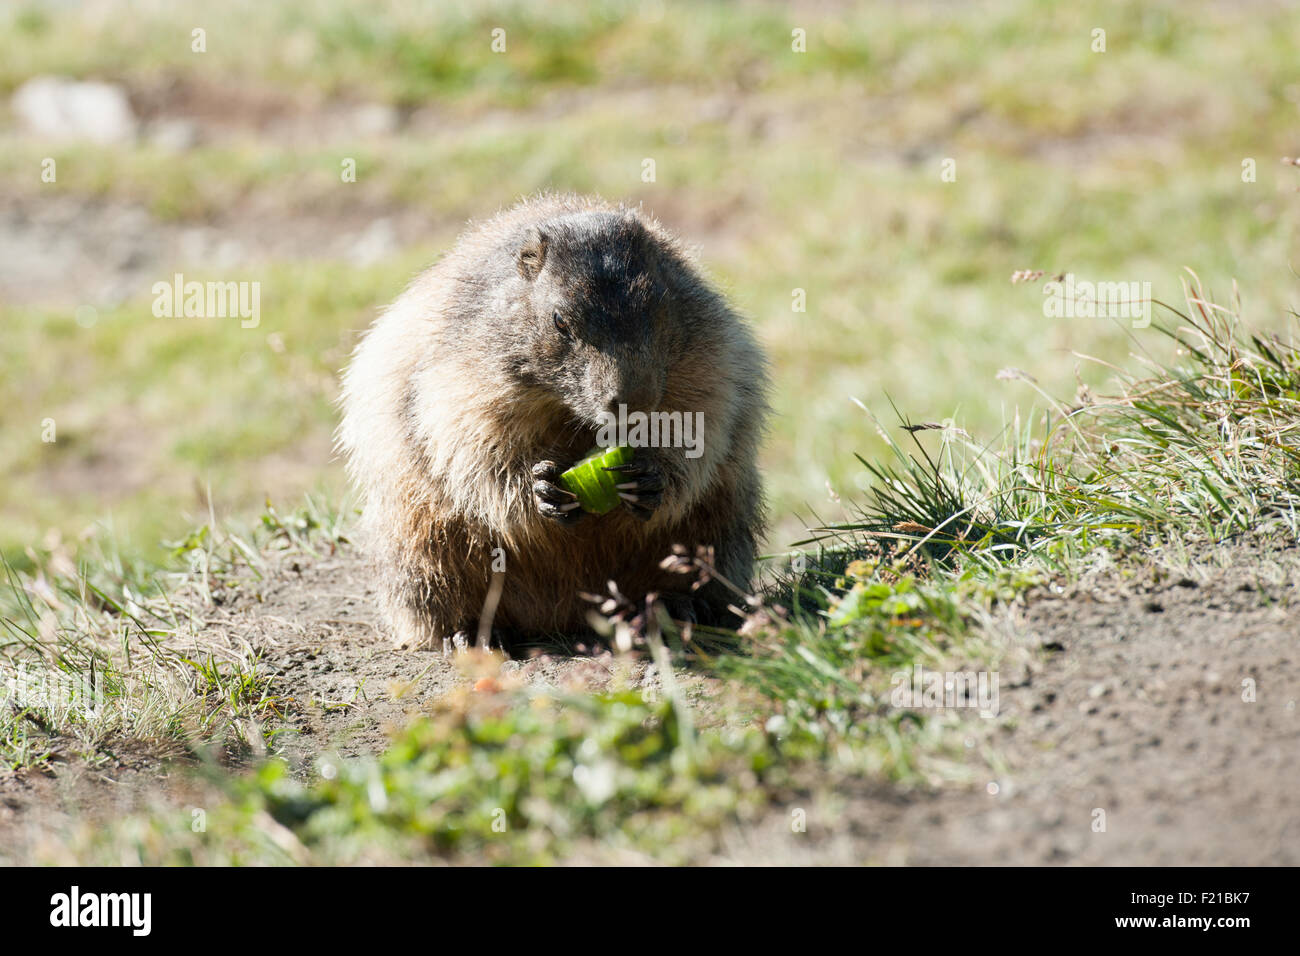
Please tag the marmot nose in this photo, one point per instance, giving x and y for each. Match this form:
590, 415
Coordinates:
639, 397
633, 402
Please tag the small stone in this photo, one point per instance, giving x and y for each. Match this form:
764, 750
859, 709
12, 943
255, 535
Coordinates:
61, 108
175, 135
374, 119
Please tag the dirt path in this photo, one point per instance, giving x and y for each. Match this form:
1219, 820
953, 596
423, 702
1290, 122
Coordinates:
1137, 710
1132, 705
316, 628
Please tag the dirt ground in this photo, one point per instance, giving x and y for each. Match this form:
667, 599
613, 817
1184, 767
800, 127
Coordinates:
1129, 715
1134, 707
313, 626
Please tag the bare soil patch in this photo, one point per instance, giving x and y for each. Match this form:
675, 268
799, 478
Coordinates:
1134, 707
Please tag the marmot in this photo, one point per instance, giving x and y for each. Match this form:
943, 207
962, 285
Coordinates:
488, 377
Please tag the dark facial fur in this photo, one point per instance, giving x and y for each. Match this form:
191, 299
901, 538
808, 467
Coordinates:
597, 312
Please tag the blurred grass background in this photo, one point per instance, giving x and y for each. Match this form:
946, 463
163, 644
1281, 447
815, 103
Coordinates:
818, 170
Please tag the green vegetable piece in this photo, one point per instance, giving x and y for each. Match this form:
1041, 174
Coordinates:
592, 484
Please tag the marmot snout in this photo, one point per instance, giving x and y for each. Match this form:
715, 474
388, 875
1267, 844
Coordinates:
497, 369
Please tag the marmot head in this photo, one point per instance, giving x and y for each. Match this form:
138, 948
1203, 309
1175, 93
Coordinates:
599, 315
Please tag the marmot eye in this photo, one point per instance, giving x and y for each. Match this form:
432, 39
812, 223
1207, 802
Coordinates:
560, 324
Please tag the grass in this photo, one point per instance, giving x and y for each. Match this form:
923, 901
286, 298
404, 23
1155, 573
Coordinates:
1205, 446
182, 409
106, 651
490, 779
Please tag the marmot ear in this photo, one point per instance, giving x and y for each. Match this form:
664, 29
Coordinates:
532, 254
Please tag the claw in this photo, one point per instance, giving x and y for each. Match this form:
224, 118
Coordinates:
643, 488
554, 502
553, 494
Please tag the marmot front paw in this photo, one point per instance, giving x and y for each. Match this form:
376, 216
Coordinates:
553, 501
642, 485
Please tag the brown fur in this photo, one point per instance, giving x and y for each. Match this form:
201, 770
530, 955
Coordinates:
466, 382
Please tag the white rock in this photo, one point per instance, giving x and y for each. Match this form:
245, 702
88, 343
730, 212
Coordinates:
175, 135
60, 108
374, 119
